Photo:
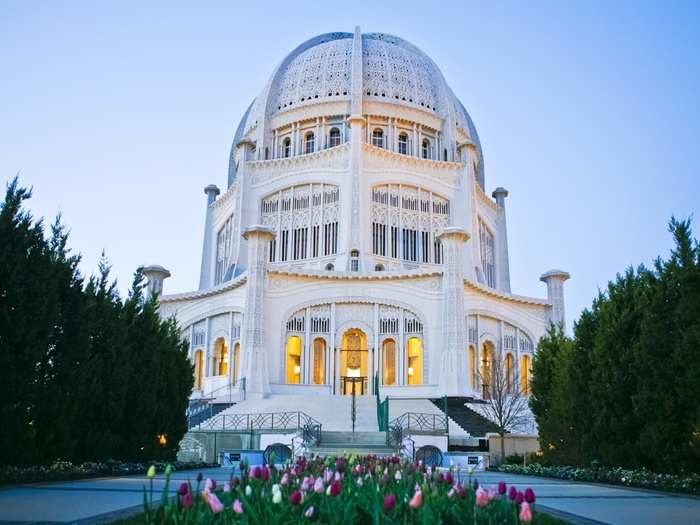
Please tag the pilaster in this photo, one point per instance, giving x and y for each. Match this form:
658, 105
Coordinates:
208, 245
555, 295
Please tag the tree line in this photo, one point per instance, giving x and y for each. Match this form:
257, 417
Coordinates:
84, 374
625, 389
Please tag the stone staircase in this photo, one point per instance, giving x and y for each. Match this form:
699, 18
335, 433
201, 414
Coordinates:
472, 422
336, 443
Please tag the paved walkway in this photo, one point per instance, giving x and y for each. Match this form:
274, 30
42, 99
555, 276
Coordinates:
99, 500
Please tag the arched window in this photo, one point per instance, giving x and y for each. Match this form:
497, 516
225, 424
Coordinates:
293, 364
378, 138
403, 143
426, 149
319, 358
444, 154
221, 357
485, 372
525, 374
472, 367
354, 261
287, 147
198, 369
267, 153
378, 267
236, 362
330, 267
389, 362
309, 142
414, 350
509, 370
334, 138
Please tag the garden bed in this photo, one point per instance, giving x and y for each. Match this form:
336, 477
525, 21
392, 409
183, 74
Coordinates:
344, 490
66, 471
641, 478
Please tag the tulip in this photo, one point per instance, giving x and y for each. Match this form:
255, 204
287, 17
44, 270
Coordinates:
285, 479
529, 495
512, 493
168, 470
227, 487
359, 482
501, 487
276, 497
307, 483
309, 512
340, 465
389, 502
151, 472
525, 513
335, 488
209, 485
237, 507
338, 476
235, 481
186, 500
449, 478
519, 498
295, 498
184, 489
492, 493
199, 477
255, 472
327, 475
451, 493
482, 497
265, 473
416, 500
214, 503
319, 487
248, 490
397, 476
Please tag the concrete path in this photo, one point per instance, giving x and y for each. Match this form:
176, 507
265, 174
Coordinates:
100, 500
594, 503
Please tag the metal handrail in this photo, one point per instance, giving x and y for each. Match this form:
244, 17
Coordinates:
262, 421
239, 383
420, 423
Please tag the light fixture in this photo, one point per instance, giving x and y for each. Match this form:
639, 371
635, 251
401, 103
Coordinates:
410, 370
162, 440
297, 369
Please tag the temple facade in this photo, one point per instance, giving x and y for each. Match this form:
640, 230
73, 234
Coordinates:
355, 239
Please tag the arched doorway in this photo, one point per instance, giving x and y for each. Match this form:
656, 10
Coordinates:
389, 362
525, 374
198, 369
319, 361
236, 362
353, 362
293, 364
414, 351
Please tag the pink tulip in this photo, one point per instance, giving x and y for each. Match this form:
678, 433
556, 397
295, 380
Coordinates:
338, 476
327, 475
451, 493
416, 500
285, 479
184, 489
307, 484
227, 487
525, 513
309, 512
482, 497
209, 484
214, 503
397, 476
492, 493
319, 487
237, 507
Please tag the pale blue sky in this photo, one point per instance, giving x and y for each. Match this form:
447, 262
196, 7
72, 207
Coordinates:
118, 114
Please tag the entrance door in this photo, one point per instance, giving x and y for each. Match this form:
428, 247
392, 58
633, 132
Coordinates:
353, 363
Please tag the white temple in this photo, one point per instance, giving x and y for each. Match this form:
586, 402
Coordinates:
355, 238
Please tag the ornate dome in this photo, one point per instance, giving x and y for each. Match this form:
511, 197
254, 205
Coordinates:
393, 71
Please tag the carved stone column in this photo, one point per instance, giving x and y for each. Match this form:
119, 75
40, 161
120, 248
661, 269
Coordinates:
502, 264
453, 321
155, 275
257, 375
208, 245
555, 295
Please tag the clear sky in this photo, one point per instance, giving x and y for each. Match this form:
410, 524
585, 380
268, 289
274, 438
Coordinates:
118, 114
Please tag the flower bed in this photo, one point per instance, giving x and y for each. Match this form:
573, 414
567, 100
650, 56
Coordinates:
65, 470
343, 490
641, 478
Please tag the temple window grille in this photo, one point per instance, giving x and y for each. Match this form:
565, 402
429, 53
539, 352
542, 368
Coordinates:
320, 325
486, 247
224, 248
355, 261
287, 147
296, 323
426, 150
403, 143
334, 137
309, 143
378, 138
305, 219
406, 223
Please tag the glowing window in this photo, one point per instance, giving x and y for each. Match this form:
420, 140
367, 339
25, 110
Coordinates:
293, 366
414, 350
319, 360
389, 362
525, 374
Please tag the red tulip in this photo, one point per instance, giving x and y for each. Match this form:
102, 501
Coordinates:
295, 497
519, 498
389, 502
529, 495
512, 493
186, 500
184, 489
501, 487
335, 488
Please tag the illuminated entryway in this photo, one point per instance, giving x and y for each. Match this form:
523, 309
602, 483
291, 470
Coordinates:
353, 363
293, 361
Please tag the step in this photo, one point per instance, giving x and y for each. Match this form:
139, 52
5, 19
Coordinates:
369, 438
359, 450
